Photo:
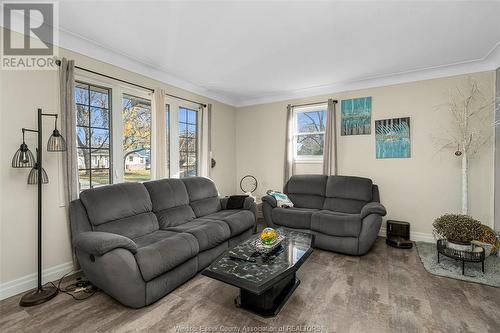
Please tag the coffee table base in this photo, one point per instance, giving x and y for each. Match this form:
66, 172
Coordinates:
271, 301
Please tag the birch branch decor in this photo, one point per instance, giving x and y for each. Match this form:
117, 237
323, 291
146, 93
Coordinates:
470, 129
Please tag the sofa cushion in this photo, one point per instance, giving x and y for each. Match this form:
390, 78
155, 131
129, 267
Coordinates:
113, 202
347, 187
162, 252
306, 184
336, 224
237, 220
175, 216
307, 200
298, 218
170, 202
203, 195
306, 191
167, 193
348, 206
132, 226
208, 233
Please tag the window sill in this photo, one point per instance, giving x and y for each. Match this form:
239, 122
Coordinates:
308, 161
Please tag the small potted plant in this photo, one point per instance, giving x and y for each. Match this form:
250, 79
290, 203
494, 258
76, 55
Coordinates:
459, 230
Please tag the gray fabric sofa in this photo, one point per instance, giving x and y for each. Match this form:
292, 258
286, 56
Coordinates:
344, 213
139, 241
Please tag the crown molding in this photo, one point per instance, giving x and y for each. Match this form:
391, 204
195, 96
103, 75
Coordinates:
490, 61
90, 48
77, 43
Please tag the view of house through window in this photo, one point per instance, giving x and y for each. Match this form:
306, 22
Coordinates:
93, 135
136, 115
188, 142
309, 132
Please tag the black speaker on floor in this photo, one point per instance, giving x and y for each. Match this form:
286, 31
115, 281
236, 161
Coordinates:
398, 234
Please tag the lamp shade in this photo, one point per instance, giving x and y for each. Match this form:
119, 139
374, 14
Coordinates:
23, 158
33, 176
56, 142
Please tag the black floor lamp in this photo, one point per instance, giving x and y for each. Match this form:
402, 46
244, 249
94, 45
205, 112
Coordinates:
23, 158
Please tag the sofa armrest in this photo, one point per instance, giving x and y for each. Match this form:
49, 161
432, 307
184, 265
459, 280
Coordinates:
99, 243
248, 203
270, 200
373, 208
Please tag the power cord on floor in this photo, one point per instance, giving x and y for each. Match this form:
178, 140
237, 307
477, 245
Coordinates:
77, 288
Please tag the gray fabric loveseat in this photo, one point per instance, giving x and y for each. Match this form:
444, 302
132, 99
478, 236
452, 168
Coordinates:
139, 241
344, 213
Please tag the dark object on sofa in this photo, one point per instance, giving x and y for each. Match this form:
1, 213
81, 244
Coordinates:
138, 242
344, 213
236, 201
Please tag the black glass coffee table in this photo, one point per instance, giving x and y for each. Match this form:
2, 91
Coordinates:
265, 281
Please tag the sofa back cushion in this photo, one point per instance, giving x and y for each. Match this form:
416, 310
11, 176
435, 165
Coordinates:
170, 202
347, 194
203, 195
306, 191
124, 209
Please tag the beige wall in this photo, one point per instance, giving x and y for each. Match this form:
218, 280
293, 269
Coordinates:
416, 189
22, 92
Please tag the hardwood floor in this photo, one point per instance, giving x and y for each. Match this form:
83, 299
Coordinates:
387, 290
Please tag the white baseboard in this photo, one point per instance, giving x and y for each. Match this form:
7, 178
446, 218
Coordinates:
27, 282
414, 236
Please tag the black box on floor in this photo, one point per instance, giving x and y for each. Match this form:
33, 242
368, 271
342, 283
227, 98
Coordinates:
398, 234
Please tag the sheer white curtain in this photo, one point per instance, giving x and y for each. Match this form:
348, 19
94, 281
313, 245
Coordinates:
288, 166
206, 140
68, 127
161, 132
330, 143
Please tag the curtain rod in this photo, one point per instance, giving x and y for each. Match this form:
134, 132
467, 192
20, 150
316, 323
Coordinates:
187, 100
58, 63
315, 103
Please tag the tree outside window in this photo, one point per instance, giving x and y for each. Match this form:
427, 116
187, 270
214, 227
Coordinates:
309, 135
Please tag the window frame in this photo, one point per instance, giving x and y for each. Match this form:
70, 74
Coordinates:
142, 95
90, 127
116, 122
308, 159
196, 140
173, 105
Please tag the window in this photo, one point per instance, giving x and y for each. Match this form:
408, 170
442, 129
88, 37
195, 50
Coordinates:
188, 142
309, 132
136, 115
93, 135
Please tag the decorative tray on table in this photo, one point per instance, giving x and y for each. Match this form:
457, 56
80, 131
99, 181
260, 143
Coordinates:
268, 248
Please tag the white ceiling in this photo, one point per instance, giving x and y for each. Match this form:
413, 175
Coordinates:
248, 52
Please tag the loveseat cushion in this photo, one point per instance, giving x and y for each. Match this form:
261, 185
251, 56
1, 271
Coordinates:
208, 233
237, 220
298, 218
170, 202
347, 194
306, 191
203, 195
348, 187
162, 252
336, 224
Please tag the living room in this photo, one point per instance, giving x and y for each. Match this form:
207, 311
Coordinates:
325, 166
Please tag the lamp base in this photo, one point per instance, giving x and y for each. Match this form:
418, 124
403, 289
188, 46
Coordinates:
38, 296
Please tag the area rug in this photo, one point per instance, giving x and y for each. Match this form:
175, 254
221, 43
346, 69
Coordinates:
453, 269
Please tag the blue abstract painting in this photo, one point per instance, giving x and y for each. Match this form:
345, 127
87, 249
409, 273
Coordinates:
392, 137
356, 116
